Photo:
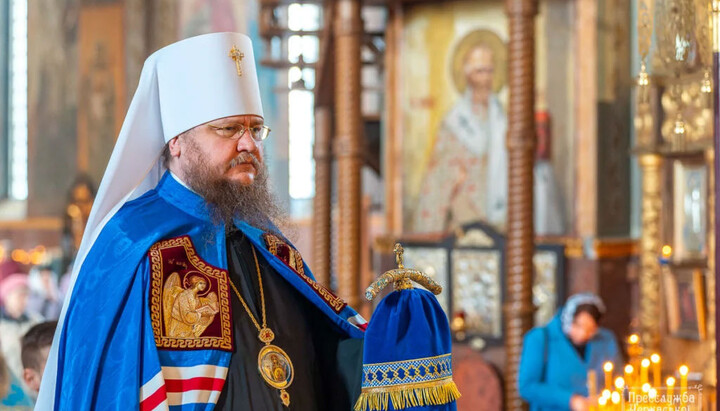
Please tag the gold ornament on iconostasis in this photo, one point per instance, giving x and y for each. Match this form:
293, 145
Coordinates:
676, 47
678, 53
644, 28
703, 11
689, 106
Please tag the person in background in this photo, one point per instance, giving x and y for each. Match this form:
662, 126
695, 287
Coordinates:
4, 379
8, 267
14, 320
556, 358
12, 395
35, 348
44, 298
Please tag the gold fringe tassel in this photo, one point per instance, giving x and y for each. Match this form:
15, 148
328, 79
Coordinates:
408, 395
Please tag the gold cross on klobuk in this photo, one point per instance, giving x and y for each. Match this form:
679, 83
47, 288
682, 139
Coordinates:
237, 56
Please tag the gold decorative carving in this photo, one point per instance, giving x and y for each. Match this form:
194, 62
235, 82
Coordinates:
676, 37
401, 278
645, 123
644, 28
650, 245
710, 371
693, 108
477, 290
545, 285
686, 33
474, 237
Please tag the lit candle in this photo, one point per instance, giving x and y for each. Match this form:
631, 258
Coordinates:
619, 388
619, 383
655, 358
646, 388
634, 351
615, 398
592, 386
666, 253
644, 365
605, 400
602, 402
670, 387
629, 369
683, 380
608, 367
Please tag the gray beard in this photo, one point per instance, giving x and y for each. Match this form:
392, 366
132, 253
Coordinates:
228, 201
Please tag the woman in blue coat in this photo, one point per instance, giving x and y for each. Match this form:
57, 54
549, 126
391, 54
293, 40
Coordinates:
556, 358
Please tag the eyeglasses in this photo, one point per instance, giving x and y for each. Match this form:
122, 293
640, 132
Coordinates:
236, 131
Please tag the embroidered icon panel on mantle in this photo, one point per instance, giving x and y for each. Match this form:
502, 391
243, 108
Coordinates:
189, 298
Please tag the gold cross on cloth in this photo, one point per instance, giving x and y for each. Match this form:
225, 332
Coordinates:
237, 56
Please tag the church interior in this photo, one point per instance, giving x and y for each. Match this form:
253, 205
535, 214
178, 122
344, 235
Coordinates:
521, 151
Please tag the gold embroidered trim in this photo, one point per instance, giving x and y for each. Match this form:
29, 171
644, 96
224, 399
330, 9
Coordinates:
408, 395
442, 356
402, 373
272, 243
295, 262
156, 288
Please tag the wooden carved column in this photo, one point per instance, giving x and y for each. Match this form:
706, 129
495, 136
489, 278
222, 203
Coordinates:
651, 166
710, 372
322, 200
348, 148
518, 308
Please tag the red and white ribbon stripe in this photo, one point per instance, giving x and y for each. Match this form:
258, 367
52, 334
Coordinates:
182, 385
358, 321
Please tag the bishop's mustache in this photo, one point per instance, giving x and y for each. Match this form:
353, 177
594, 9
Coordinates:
244, 158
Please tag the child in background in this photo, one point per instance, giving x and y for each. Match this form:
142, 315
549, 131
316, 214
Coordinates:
35, 348
12, 395
14, 319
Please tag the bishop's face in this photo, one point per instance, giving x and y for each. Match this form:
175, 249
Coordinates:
226, 155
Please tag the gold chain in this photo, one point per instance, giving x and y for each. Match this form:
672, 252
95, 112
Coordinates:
262, 295
279, 381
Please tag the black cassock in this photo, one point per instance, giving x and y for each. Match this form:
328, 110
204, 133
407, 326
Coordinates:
327, 366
